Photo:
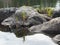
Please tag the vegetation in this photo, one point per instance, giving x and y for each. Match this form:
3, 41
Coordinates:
23, 15
49, 11
24, 30
43, 6
17, 3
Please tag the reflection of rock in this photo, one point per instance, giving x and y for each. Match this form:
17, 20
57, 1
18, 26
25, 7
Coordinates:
6, 12
32, 17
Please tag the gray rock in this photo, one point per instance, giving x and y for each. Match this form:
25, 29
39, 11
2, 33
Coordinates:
56, 13
50, 28
31, 17
56, 39
6, 12
20, 26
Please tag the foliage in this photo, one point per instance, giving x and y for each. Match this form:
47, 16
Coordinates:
24, 15
49, 11
1, 4
42, 3
23, 30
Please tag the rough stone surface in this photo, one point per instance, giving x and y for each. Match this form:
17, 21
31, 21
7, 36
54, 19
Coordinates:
50, 28
6, 12
31, 17
56, 39
56, 13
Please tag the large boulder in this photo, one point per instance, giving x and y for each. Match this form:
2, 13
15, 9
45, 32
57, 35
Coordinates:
26, 15
50, 28
24, 18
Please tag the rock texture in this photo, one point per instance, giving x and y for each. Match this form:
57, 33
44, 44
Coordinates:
26, 15
27, 21
50, 28
56, 13
31, 17
6, 12
56, 39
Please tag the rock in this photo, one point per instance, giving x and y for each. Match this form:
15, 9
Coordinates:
31, 17
50, 28
6, 12
56, 13
56, 39
4, 28
17, 24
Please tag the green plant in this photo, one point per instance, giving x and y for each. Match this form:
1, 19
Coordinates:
23, 31
49, 11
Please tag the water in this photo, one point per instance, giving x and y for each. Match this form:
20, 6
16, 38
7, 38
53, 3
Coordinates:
37, 39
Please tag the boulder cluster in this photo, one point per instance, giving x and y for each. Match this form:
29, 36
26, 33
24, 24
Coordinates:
27, 21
